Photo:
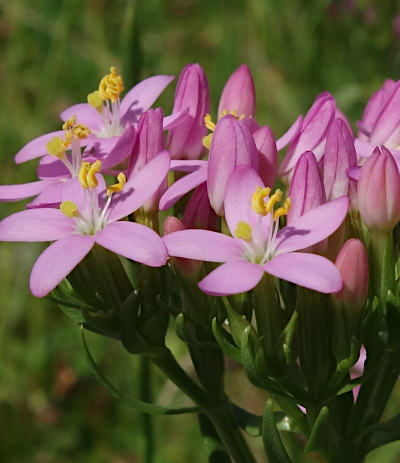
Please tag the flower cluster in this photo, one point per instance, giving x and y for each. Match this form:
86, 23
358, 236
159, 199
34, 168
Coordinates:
315, 209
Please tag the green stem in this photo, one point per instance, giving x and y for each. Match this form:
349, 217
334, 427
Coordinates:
145, 393
381, 264
217, 409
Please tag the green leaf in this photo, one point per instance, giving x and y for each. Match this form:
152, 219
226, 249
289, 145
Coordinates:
227, 347
74, 314
142, 406
273, 445
247, 421
215, 449
237, 323
248, 353
383, 433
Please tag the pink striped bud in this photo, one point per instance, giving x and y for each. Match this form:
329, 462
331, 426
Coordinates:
339, 155
268, 155
352, 263
189, 268
239, 94
232, 145
185, 141
378, 191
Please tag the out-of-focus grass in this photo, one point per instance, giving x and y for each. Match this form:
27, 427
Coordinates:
53, 53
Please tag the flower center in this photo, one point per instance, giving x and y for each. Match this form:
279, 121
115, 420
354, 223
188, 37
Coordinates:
260, 247
58, 147
106, 102
95, 217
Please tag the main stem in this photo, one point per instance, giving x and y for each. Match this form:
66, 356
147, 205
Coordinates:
217, 409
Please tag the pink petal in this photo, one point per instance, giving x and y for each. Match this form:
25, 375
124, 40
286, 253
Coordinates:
49, 197
36, 225
140, 187
175, 119
363, 148
85, 114
142, 96
234, 277
23, 191
238, 198
312, 227
122, 148
51, 167
288, 136
353, 172
308, 270
203, 245
134, 241
187, 165
36, 147
57, 261
181, 187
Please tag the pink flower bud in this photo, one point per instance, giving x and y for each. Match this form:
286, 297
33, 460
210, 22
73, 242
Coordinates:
339, 155
149, 140
189, 268
378, 191
232, 145
239, 93
352, 263
198, 212
312, 134
186, 140
268, 155
306, 188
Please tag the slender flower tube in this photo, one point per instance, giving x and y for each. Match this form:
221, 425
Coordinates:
257, 245
268, 155
198, 212
185, 141
89, 214
232, 145
239, 93
312, 134
306, 187
378, 191
339, 155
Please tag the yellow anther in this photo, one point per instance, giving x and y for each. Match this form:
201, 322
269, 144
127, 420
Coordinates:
287, 204
207, 140
243, 231
69, 209
242, 116
111, 85
223, 113
56, 147
95, 100
118, 186
257, 201
275, 198
81, 131
280, 212
208, 122
83, 171
91, 175
69, 123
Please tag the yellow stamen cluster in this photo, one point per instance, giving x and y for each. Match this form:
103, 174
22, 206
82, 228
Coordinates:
96, 101
87, 174
208, 122
111, 85
257, 201
118, 186
263, 208
243, 231
56, 147
233, 113
69, 209
72, 129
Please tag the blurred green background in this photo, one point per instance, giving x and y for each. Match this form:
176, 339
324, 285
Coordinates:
53, 53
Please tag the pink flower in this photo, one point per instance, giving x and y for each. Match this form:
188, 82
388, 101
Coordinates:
88, 216
268, 154
256, 245
378, 191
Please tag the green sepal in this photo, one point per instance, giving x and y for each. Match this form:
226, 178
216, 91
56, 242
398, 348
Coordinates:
144, 407
393, 321
325, 441
222, 337
382, 433
183, 334
216, 452
273, 445
237, 323
248, 354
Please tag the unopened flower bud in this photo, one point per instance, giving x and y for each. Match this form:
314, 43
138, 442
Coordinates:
352, 263
239, 94
378, 191
185, 141
267, 155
